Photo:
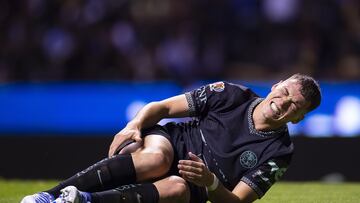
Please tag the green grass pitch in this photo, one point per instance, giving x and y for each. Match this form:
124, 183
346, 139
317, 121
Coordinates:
11, 191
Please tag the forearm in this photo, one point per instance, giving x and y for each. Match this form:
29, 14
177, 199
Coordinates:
195, 171
242, 193
221, 195
149, 115
153, 112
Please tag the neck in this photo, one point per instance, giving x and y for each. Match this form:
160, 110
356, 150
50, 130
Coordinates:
260, 122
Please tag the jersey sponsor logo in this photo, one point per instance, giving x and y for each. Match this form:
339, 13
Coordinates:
127, 187
202, 94
217, 86
248, 159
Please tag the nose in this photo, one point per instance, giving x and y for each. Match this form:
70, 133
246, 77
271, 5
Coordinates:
286, 101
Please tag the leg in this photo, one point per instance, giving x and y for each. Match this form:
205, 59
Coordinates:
172, 189
152, 160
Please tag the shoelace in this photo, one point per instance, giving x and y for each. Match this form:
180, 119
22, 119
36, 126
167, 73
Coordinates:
43, 197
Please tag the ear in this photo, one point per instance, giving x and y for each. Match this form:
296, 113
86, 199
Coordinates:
275, 85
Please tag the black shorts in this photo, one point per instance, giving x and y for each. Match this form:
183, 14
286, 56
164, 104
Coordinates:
181, 149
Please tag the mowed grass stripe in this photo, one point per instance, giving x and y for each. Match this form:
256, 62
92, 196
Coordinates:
11, 191
313, 192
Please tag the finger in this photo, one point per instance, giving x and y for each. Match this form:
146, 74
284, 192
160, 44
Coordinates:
190, 178
111, 152
190, 163
189, 168
189, 175
137, 137
194, 157
118, 140
112, 149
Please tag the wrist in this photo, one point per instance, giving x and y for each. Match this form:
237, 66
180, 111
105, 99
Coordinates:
134, 124
214, 184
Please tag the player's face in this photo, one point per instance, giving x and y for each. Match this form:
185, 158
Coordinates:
285, 103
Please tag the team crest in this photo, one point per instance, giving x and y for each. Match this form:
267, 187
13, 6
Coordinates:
248, 159
217, 86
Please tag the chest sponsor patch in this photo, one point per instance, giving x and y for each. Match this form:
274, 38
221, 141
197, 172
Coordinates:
217, 86
248, 159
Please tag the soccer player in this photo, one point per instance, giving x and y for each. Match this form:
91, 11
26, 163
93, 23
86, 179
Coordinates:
236, 147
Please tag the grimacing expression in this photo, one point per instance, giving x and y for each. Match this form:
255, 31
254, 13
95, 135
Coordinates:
285, 103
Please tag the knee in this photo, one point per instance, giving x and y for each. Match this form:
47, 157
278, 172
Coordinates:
162, 157
179, 190
151, 163
161, 160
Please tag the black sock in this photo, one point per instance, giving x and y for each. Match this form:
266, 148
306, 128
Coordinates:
133, 193
106, 174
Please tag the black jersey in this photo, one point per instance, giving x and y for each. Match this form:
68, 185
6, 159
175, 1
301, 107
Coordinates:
224, 136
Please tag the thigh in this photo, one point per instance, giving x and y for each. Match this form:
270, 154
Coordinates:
154, 158
157, 143
155, 139
151, 143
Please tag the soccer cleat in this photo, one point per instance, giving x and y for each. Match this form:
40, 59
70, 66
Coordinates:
71, 194
41, 197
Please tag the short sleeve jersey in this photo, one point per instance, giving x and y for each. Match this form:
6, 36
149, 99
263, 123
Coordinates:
231, 146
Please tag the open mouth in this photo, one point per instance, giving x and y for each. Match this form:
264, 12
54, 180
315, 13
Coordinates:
275, 109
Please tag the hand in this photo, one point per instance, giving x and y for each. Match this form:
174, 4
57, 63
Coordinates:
195, 171
128, 133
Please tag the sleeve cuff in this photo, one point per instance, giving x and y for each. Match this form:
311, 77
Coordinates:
253, 186
191, 104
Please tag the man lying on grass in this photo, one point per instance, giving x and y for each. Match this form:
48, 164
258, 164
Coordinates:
235, 149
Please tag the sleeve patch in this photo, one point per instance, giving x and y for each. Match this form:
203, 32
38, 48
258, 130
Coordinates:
217, 86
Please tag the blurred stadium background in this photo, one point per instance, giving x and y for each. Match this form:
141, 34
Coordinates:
72, 73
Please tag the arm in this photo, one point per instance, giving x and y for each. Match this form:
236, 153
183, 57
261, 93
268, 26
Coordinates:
242, 193
148, 116
153, 112
260, 179
195, 171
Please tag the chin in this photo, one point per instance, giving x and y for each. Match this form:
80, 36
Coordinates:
268, 114
272, 118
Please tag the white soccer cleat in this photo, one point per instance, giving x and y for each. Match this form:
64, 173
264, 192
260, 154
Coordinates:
41, 197
71, 194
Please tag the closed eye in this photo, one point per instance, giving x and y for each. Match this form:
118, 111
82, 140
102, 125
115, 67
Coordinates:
286, 91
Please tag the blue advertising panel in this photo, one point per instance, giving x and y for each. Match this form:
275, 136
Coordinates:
105, 107
75, 108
